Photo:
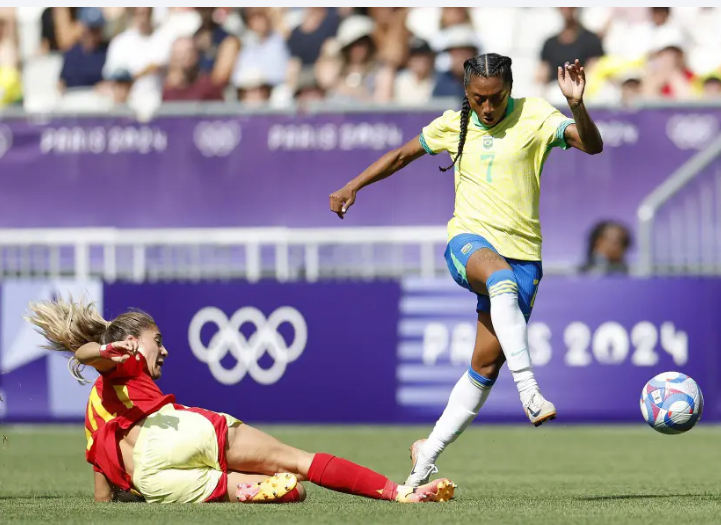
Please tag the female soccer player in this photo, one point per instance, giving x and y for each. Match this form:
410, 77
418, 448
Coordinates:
140, 440
498, 145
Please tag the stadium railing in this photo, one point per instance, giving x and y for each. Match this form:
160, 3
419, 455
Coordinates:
222, 253
679, 222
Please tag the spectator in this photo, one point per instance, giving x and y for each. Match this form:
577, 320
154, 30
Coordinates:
573, 42
133, 61
253, 88
262, 48
184, 81
306, 41
414, 85
218, 49
175, 23
390, 34
327, 68
308, 88
318, 26
660, 16
703, 28
361, 76
452, 21
668, 76
631, 83
712, 87
83, 63
640, 39
460, 44
607, 246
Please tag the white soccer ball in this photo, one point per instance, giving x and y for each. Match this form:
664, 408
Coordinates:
671, 403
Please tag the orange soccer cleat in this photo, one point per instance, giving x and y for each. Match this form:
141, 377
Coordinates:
281, 488
438, 491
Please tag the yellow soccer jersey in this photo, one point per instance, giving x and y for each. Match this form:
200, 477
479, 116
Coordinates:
498, 178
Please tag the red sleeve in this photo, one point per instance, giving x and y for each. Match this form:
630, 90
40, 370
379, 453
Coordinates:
133, 367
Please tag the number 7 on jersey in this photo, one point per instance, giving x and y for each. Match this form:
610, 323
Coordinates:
489, 157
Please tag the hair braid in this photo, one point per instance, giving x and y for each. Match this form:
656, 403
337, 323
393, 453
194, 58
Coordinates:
486, 66
465, 118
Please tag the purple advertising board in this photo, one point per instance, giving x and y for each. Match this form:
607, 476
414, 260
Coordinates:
379, 352
594, 344
278, 170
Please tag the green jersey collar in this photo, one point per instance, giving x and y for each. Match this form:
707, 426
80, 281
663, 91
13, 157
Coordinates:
509, 109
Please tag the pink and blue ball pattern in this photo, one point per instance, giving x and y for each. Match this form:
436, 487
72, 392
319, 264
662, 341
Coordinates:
671, 403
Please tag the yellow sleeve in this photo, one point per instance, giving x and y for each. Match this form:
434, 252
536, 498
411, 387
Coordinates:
553, 127
434, 137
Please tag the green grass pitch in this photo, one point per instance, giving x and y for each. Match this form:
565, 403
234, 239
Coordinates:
516, 475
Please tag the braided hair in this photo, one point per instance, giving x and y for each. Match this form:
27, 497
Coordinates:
486, 66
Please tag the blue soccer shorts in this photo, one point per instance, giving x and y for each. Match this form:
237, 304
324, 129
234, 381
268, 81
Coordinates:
528, 273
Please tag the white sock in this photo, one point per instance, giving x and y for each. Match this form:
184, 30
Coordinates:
466, 399
512, 331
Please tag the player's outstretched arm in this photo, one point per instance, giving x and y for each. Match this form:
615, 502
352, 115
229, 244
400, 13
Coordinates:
384, 167
584, 134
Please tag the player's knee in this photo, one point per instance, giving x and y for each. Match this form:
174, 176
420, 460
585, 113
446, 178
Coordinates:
502, 282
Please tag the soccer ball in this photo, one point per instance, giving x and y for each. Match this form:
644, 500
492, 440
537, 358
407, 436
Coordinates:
671, 403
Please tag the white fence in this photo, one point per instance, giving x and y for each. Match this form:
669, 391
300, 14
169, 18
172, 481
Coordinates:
188, 254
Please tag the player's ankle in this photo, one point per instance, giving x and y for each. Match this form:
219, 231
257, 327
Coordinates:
527, 394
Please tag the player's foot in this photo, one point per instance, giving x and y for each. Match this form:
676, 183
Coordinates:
281, 488
440, 490
422, 467
539, 409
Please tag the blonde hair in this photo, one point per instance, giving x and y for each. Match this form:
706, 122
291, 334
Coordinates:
68, 325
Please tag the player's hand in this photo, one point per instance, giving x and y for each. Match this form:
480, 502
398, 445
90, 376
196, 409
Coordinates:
342, 200
572, 81
119, 351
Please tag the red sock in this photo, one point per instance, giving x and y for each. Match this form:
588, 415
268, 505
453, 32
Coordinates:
343, 476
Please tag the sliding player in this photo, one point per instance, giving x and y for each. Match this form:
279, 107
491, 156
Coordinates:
140, 440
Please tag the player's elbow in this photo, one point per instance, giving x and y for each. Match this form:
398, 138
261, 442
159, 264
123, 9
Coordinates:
594, 149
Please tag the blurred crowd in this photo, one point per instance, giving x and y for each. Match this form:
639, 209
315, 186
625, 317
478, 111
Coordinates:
91, 58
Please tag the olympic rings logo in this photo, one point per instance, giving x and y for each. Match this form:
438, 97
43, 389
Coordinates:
248, 351
692, 131
217, 138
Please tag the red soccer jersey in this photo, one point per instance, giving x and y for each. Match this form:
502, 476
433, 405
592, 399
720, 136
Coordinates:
118, 400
